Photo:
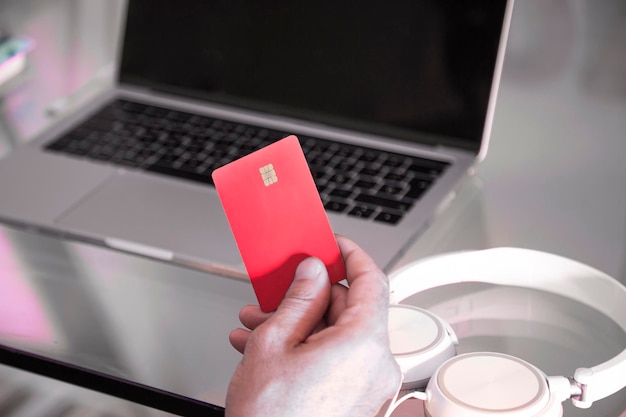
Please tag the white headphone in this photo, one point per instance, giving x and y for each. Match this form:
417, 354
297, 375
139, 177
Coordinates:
490, 383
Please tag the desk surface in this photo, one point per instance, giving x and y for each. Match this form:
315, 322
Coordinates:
553, 180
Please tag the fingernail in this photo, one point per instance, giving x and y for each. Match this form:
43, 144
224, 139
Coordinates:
309, 268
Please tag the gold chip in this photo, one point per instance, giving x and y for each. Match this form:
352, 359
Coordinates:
268, 174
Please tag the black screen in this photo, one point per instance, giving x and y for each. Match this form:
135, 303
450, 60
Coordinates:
403, 68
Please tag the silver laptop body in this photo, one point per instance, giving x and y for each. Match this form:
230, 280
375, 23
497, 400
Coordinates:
178, 220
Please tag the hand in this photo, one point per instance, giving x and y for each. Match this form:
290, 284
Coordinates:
324, 352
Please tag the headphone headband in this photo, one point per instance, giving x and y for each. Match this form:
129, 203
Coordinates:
535, 270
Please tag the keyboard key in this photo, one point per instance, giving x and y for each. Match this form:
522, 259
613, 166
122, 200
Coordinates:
370, 172
432, 169
346, 153
374, 200
102, 125
60, 144
391, 176
344, 166
156, 111
363, 212
430, 163
417, 188
337, 206
319, 175
179, 117
369, 156
189, 175
366, 185
394, 161
390, 218
392, 189
340, 179
132, 107
323, 190
341, 193
127, 161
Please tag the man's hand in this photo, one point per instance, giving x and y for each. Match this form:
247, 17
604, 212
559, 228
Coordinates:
324, 352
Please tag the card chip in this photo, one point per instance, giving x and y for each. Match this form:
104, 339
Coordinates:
268, 174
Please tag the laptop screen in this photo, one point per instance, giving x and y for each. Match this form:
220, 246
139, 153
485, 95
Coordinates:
417, 70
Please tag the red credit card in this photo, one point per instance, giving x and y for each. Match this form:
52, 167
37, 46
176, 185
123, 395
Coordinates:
277, 217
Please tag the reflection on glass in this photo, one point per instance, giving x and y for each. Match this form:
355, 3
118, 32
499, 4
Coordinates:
22, 314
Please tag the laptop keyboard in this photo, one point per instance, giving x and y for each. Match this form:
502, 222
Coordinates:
358, 181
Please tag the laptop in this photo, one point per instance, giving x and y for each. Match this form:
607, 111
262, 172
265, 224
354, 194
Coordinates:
392, 103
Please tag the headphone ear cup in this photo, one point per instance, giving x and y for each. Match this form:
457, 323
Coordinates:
420, 342
483, 384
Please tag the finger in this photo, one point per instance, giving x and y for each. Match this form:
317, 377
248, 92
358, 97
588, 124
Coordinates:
239, 339
304, 305
358, 262
338, 303
320, 326
252, 316
369, 286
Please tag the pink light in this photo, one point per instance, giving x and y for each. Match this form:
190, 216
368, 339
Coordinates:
22, 315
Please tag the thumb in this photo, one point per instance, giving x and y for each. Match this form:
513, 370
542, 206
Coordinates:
305, 303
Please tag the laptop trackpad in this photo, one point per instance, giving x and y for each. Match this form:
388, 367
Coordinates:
186, 219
